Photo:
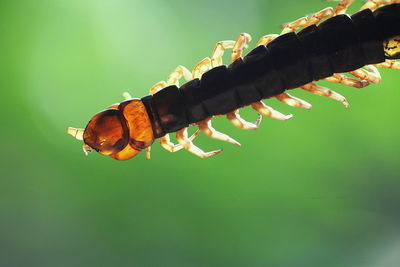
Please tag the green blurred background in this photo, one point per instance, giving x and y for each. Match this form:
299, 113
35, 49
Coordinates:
322, 189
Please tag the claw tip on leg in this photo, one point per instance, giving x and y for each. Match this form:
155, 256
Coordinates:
217, 151
288, 117
212, 153
307, 106
258, 121
233, 142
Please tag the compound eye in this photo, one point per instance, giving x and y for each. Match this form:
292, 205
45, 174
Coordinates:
107, 132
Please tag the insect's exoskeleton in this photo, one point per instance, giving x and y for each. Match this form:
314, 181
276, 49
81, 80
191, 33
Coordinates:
356, 44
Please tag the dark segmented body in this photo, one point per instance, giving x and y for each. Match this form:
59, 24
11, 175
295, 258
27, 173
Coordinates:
340, 44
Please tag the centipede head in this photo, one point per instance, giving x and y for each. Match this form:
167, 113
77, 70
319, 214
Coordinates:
121, 131
107, 132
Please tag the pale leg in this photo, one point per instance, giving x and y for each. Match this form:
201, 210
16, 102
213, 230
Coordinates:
374, 4
293, 101
270, 112
177, 74
201, 68
389, 64
240, 44
342, 7
266, 39
166, 143
157, 87
238, 122
343, 79
371, 75
309, 20
182, 137
317, 17
216, 57
323, 91
206, 127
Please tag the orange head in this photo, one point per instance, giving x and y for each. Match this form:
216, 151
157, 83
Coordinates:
107, 132
121, 131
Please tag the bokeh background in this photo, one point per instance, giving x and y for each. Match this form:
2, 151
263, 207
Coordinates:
322, 189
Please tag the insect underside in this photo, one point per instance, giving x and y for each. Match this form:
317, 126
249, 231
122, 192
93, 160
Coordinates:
362, 77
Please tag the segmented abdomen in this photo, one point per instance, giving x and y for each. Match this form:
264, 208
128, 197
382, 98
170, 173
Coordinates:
340, 44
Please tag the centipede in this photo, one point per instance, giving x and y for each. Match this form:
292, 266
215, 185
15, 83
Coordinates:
328, 45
